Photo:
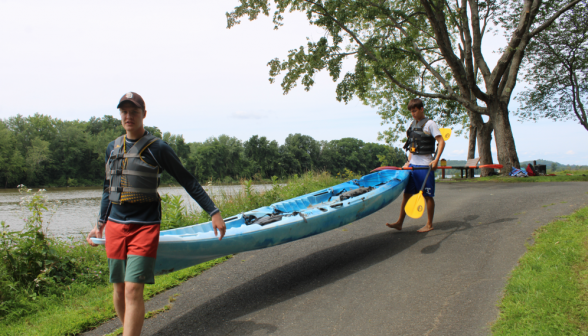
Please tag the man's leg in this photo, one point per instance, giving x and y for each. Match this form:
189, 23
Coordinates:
430, 213
135, 309
398, 224
118, 297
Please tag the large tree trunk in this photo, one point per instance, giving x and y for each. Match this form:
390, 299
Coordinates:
472, 139
484, 145
505, 144
483, 135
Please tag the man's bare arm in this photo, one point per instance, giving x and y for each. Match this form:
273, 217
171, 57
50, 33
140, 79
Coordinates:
440, 148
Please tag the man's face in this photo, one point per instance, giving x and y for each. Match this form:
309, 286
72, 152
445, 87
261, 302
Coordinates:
417, 113
131, 116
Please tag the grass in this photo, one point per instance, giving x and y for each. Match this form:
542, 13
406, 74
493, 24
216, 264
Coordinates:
88, 309
577, 175
547, 294
83, 307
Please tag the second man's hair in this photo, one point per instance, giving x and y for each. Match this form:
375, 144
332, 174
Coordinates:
416, 102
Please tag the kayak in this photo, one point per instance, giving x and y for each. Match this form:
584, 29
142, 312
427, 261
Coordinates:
280, 222
495, 166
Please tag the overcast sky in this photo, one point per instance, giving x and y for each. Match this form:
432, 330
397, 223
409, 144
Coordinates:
75, 59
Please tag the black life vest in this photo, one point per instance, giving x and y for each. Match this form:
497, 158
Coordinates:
419, 142
132, 180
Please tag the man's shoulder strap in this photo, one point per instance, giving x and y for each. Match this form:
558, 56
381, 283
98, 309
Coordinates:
423, 122
142, 143
118, 142
420, 124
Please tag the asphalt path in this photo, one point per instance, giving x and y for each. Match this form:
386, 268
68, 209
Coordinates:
367, 279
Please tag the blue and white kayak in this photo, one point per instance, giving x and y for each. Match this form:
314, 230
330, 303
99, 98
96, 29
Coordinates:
280, 222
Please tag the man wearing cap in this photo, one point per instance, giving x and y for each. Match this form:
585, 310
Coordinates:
131, 209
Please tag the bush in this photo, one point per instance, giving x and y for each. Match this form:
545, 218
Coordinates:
35, 265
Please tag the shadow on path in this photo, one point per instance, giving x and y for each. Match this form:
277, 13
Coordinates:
293, 279
217, 316
456, 226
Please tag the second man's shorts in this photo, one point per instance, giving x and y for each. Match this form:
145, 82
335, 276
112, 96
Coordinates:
415, 181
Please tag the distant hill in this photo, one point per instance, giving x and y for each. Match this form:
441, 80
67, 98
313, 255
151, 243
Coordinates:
555, 166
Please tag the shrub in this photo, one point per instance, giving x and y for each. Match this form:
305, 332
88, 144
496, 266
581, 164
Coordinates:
34, 265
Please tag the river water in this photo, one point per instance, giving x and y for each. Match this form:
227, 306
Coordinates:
79, 207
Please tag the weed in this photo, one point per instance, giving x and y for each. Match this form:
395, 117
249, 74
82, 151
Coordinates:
35, 266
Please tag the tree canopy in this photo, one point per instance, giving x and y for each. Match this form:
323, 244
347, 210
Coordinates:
414, 48
558, 70
42, 151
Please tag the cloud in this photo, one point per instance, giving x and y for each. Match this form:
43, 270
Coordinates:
247, 115
460, 151
570, 152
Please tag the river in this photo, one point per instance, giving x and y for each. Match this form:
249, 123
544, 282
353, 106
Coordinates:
79, 207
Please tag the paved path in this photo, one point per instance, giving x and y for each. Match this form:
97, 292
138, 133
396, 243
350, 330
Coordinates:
366, 279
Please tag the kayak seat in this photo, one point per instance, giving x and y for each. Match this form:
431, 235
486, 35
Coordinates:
355, 192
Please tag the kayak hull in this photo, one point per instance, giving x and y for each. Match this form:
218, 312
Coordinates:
300, 217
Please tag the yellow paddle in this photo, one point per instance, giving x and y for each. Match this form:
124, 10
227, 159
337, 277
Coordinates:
445, 133
415, 207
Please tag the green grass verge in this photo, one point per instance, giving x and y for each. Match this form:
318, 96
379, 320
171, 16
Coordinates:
577, 175
90, 308
547, 294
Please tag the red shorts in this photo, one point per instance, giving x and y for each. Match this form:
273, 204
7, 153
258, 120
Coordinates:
131, 250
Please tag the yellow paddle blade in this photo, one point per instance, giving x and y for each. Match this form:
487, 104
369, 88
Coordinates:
445, 133
415, 207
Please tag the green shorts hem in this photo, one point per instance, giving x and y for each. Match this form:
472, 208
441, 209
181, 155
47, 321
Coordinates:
137, 269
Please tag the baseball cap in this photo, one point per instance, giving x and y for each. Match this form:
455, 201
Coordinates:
134, 98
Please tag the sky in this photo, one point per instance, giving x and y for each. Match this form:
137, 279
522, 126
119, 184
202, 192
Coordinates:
75, 59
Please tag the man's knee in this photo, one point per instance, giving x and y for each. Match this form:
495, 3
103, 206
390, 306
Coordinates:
119, 288
134, 291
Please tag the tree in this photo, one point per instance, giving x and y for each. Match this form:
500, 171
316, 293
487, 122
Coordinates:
11, 161
38, 154
392, 157
218, 158
178, 144
558, 70
426, 48
301, 153
264, 155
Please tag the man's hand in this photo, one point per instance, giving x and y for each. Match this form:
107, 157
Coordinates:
219, 224
95, 233
406, 165
434, 164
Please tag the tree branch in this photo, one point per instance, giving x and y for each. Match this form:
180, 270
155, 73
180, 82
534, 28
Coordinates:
503, 62
477, 46
469, 61
553, 18
437, 20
